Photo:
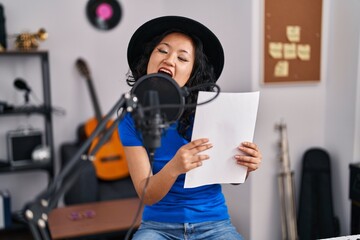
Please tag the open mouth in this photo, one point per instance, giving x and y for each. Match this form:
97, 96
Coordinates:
165, 71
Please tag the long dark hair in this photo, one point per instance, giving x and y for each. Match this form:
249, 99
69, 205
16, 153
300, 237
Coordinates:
203, 72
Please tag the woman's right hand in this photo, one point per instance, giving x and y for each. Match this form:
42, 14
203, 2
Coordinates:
188, 157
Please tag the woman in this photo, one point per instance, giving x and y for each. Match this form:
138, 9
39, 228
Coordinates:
192, 55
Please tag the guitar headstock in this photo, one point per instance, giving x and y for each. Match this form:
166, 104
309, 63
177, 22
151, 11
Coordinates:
82, 67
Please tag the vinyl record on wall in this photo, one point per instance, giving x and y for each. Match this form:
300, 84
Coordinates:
104, 14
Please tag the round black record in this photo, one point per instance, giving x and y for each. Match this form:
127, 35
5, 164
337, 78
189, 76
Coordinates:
104, 14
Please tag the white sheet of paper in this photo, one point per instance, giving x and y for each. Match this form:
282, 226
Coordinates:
227, 121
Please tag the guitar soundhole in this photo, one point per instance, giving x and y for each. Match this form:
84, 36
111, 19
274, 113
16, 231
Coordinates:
111, 158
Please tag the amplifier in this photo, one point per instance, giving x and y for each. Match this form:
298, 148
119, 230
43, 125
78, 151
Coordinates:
21, 144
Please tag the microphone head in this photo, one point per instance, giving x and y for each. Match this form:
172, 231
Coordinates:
21, 85
152, 100
168, 90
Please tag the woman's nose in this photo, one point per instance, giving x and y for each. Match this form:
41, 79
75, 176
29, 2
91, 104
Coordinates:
170, 60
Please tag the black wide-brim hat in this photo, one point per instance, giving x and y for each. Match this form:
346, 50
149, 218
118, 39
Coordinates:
155, 27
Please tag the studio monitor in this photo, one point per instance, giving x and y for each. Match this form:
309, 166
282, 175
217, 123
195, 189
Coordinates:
21, 144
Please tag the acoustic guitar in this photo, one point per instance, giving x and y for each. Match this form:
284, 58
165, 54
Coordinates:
110, 162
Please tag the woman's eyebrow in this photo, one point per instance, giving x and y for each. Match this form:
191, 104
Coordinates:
164, 43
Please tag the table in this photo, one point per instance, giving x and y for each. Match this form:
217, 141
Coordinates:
93, 218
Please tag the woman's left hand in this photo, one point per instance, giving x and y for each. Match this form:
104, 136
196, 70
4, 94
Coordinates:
252, 157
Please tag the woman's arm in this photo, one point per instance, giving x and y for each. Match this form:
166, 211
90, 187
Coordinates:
186, 158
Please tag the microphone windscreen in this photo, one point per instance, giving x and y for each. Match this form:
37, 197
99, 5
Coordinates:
169, 93
21, 84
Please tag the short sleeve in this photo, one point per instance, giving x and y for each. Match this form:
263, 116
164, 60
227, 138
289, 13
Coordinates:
129, 136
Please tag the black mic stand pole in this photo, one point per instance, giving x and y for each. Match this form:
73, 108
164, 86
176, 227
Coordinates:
36, 212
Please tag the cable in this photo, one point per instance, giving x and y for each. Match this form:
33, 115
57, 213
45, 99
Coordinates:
141, 199
188, 105
35, 97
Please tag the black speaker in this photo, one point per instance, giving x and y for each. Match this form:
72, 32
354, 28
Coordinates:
354, 195
2, 28
21, 144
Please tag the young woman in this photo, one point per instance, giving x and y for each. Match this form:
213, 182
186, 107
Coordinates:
192, 55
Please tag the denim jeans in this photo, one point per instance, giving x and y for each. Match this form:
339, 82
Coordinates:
216, 230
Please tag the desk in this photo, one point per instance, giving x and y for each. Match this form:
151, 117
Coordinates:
105, 217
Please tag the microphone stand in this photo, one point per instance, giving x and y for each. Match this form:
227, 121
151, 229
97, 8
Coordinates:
36, 212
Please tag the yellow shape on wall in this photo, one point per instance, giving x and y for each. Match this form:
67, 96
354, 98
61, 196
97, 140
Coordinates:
275, 49
289, 50
304, 52
293, 33
281, 69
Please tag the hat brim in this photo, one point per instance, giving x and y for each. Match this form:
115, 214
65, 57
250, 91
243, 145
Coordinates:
155, 27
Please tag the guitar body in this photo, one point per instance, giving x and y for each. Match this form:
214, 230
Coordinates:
109, 160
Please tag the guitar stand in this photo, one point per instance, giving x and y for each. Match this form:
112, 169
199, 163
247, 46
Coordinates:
36, 212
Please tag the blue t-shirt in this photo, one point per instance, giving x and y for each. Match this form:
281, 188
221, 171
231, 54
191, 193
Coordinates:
180, 205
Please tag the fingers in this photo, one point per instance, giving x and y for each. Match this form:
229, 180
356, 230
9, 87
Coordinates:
252, 158
247, 159
201, 148
250, 148
198, 159
196, 143
194, 161
251, 162
190, 156
197, 146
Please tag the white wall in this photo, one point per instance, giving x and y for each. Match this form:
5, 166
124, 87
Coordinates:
342, 100
302, 108
310, 111
322, 114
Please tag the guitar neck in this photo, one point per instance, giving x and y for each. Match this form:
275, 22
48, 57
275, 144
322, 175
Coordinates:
94, 99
